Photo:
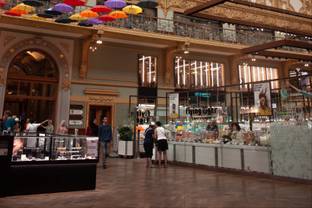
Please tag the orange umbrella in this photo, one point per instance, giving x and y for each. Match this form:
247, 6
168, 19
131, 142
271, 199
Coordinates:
12, 13
118, 15
18, 11
89, 14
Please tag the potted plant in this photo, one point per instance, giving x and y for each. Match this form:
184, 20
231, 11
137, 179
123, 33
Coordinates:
125, 143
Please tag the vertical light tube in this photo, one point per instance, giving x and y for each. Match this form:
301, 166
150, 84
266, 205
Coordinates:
178, 70
184, 73
143, 69
201, 74
206, 70
217, 71
212, 74
150, 69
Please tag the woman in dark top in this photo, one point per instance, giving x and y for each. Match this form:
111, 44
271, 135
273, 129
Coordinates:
149, 144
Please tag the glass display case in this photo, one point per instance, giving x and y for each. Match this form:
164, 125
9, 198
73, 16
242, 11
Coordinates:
195, 131
54, 148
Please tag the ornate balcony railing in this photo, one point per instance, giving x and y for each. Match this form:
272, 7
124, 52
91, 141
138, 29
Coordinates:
190, 27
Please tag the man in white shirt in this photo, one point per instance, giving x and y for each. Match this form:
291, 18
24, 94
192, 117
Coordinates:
32, 127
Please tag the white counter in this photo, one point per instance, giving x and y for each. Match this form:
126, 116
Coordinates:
239, 157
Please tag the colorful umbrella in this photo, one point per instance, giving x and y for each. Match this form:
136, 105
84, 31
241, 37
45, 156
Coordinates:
25, 8
77, 17
94, 21
85, 24
148, 4
89, 14
75, 2
34, 17
18, 11
115, 4
64, 20
2, 3
34, 3
101, 9
132, 9
44, 15
50, 11
107, 18
12, 13
64, 8
118, 15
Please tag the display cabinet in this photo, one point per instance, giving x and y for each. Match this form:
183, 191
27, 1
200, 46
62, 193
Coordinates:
43, 164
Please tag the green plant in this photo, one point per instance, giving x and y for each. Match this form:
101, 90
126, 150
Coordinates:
125, 133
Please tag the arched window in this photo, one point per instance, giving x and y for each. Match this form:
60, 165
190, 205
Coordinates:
32, 86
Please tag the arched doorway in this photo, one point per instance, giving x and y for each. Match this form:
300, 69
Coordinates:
32, 86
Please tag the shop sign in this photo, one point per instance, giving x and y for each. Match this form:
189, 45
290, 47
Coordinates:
203, 94
173, 105
262, 95
76, 116
201, 111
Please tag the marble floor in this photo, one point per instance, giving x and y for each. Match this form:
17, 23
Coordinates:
127, 183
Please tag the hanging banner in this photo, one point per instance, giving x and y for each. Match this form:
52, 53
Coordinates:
262, 94
173, 105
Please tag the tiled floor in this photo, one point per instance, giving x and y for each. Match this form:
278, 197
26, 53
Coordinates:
127, 183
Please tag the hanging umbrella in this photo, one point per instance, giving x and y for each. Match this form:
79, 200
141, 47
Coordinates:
74, 2
12, 13
151, 4
34, 17
50, 11
18, 11
118, 15
94, 21
34, 3
132, 9
64, 8
115, 4
25, 8
44, 15
77, 17
85, 24
89, 14
2, 3
107, 18
101, 9
64, 20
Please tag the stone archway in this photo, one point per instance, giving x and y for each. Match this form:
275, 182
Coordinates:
63, 98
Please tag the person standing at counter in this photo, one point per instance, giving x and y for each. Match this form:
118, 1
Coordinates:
161, 143
213, 127
149, 143
105, 136
63, 128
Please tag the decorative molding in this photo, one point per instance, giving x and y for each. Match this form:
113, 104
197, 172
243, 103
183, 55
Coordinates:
260, 17
2, 79
8, 39
41, 44
89, 91
100, 99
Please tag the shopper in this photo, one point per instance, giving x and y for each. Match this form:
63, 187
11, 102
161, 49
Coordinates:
49, 128
162, 144
105, 137
235, 134
213, 128
149, 144
17, 126
32, 127
62, 128
93, 128
8, 121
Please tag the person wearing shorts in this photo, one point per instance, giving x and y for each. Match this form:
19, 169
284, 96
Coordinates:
161, 144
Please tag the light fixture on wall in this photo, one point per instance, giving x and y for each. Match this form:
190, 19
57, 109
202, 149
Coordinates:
306, 65
186, 47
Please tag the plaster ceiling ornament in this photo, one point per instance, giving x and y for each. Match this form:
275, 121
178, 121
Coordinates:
8, 39
165, 5
100, 99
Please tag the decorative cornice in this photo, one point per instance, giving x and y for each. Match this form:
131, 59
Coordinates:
89, 91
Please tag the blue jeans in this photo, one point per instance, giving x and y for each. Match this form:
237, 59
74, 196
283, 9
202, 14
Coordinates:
105, 149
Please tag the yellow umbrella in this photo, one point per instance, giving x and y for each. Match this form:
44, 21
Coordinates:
118, 15
132, 9
77, 17
24, 7
89, 14
34, 17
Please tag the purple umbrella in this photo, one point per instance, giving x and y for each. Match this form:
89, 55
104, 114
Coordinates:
94, 21
115, 4
64, 8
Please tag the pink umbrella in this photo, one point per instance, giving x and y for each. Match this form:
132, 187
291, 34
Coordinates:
107, 18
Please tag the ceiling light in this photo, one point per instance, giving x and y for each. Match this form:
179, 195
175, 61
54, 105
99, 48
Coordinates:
99, 42
306, 65
253, 59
